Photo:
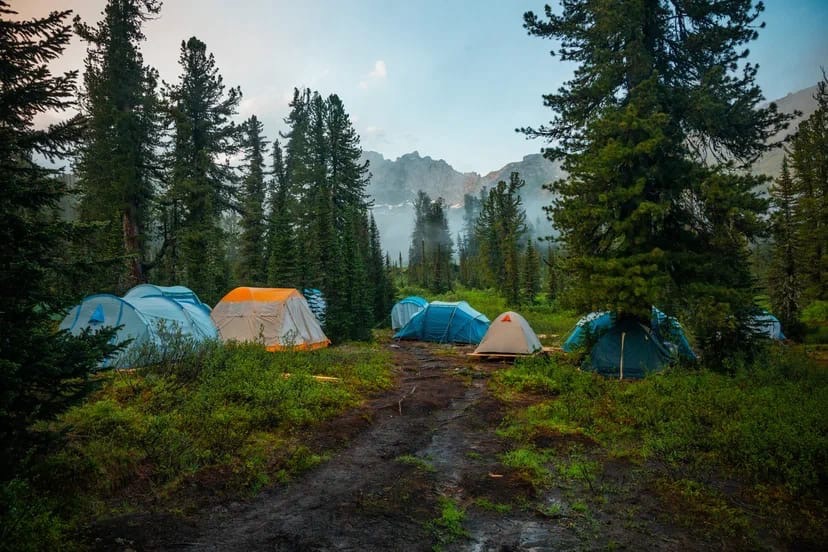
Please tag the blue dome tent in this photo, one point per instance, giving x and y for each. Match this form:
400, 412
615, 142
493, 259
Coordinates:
767, 325
444, 322
316, 302
627, 348
145, 320
405, 310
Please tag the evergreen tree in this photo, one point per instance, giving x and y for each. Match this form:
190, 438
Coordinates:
467, 244
378, 274
416, 253
202, 185
41, 372
116, 159
326, 182
499, 229
283, 265
252, 265
809, 160
784, 277
429, 258
553, 275
661, 98
530, 282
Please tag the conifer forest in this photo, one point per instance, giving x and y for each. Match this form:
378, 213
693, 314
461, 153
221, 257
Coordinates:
229, 324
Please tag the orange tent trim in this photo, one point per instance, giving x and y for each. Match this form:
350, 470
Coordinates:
261, 295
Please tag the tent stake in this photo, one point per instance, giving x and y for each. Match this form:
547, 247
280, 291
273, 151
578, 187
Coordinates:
621, 367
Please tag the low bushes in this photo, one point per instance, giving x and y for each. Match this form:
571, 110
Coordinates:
766, 424
235, 417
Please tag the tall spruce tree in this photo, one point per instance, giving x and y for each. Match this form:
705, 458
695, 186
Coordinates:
809, 160
468, 247
530, 277
282, 262
784, 278
117, 159
326, 184
41, 372
252, 264
202, 183
378, 275
663, 106
499, 230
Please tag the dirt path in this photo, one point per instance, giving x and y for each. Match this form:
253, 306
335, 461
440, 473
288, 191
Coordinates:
433, 436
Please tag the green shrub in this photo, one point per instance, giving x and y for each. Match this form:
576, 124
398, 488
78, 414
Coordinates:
28, 521
768, 423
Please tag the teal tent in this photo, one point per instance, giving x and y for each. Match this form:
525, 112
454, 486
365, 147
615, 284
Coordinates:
627, 348
446, 323
145, 320
765, 324
405, 310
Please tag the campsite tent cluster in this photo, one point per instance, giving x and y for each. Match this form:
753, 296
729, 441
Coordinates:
154, 318
444, 322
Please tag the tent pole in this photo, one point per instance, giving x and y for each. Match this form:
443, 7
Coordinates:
621, 367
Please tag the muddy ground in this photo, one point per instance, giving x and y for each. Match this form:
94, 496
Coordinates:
433, 435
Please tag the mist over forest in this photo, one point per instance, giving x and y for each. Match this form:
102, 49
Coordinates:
394, 183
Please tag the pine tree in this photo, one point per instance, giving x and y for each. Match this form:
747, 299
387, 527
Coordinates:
283, 265
378, 274
326, 182
116, 159
500, 228
41, 372
662, 108
809, 160
416, 253
252, 265
467, 244
553, 275
203, 186
530, 282
784, 275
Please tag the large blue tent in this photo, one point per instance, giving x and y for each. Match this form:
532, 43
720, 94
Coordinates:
146, 320
627, 348
405, 310
445, 322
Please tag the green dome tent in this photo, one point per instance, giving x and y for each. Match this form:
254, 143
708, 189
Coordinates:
626, 348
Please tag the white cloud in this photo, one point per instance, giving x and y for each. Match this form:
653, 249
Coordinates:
263, 105
378, 73
380, 70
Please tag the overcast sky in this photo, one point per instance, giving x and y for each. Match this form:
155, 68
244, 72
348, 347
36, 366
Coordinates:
449, 78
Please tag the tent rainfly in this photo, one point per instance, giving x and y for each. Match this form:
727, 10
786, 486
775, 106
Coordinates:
278, 317
179, 294
444, 322
405, 310
626, 348
509, 334
147, 316
767, 325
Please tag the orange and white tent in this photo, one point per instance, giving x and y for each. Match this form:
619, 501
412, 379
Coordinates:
277, 317
509, 334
